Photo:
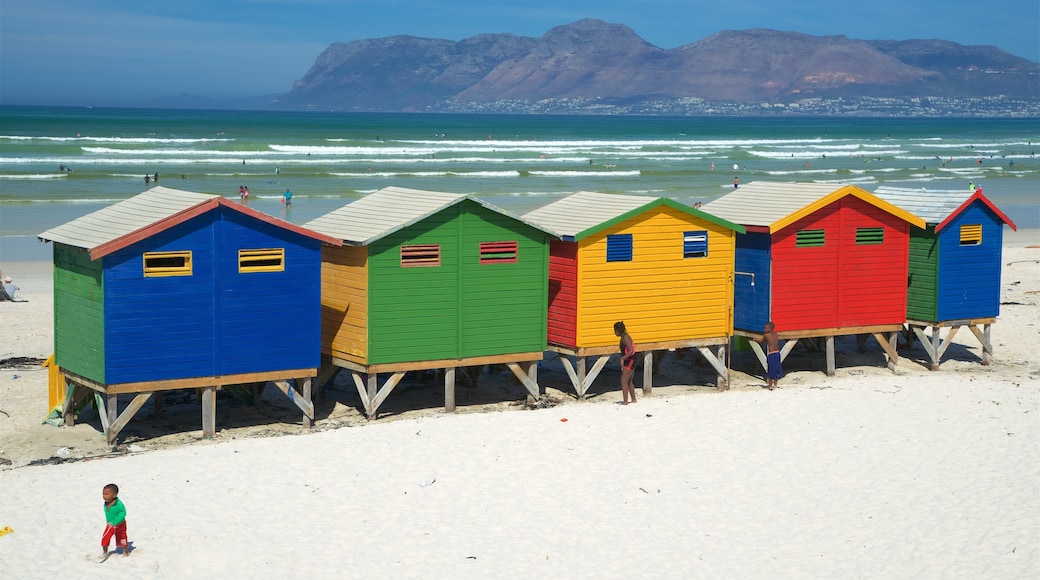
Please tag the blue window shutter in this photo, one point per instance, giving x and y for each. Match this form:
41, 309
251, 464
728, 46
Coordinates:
695, 244
619, 247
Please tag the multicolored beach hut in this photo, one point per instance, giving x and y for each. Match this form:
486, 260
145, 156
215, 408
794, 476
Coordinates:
663, 268
954, 276
430, 280
173, 289
819, 260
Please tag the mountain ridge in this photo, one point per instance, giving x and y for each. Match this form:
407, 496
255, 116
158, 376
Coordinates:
595, 63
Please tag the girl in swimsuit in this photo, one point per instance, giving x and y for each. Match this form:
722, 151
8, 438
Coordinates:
628, 363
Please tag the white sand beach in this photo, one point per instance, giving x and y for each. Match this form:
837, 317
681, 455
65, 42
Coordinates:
871, 473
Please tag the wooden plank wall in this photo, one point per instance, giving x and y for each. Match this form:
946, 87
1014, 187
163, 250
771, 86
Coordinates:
344, 302
79, 319
660, 295
969, 276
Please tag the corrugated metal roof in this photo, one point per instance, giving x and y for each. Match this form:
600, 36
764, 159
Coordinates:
582, 210
388, 210
763, 203
125, 217
933, 205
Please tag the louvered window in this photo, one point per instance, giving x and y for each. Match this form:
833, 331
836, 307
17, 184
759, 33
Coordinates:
809, 238
498, 252
866, 236
420, 255
971, 235
695, 244
159, 264
267, 260
619, 247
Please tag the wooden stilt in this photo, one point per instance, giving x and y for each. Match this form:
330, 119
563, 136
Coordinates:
829, 347
157, 408
308, 418
301, 400
117, 424
371, 395
717, 362
528, 377
984, 338
209, 411
449, 389
648, 373
579, 378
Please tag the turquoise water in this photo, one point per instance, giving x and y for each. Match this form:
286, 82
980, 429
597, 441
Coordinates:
517, 162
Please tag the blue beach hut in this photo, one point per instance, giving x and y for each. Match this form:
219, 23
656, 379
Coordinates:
173, 289
954, 265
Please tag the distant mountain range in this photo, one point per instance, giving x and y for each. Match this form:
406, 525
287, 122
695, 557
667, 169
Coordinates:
591, 65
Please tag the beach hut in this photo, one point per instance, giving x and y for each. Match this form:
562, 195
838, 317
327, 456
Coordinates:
430, 280
663, 268
954, 277
819, 260
173, 289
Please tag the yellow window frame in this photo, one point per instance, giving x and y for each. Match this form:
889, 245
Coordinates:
261, 260
162, 264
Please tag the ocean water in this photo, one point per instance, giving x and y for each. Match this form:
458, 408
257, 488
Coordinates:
517, 162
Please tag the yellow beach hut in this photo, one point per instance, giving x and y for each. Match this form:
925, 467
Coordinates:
663, 268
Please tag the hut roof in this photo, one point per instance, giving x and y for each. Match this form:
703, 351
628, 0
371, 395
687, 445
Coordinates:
584, 213
146, 214
390, 209
775, 205
937, 206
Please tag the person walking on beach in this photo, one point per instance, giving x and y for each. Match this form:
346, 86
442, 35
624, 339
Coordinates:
287, 197
628, 363
773, 370
115, 522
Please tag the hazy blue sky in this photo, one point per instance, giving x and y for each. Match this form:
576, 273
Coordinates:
97, 52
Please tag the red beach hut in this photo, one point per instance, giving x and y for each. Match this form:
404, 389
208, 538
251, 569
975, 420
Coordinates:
818, 260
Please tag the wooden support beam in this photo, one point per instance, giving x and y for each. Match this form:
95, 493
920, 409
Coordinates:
761, 354
68, 407
117, 425
947, 341
301, 400
984, 338
886, 344
525, 378
372, 396
157, 408
99, 401
928, 345
209, 411
449, 389
308, 419
717, 362
577, 375
648, 373
829, 347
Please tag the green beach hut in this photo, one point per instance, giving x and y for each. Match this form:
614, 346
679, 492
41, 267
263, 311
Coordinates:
430, 280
